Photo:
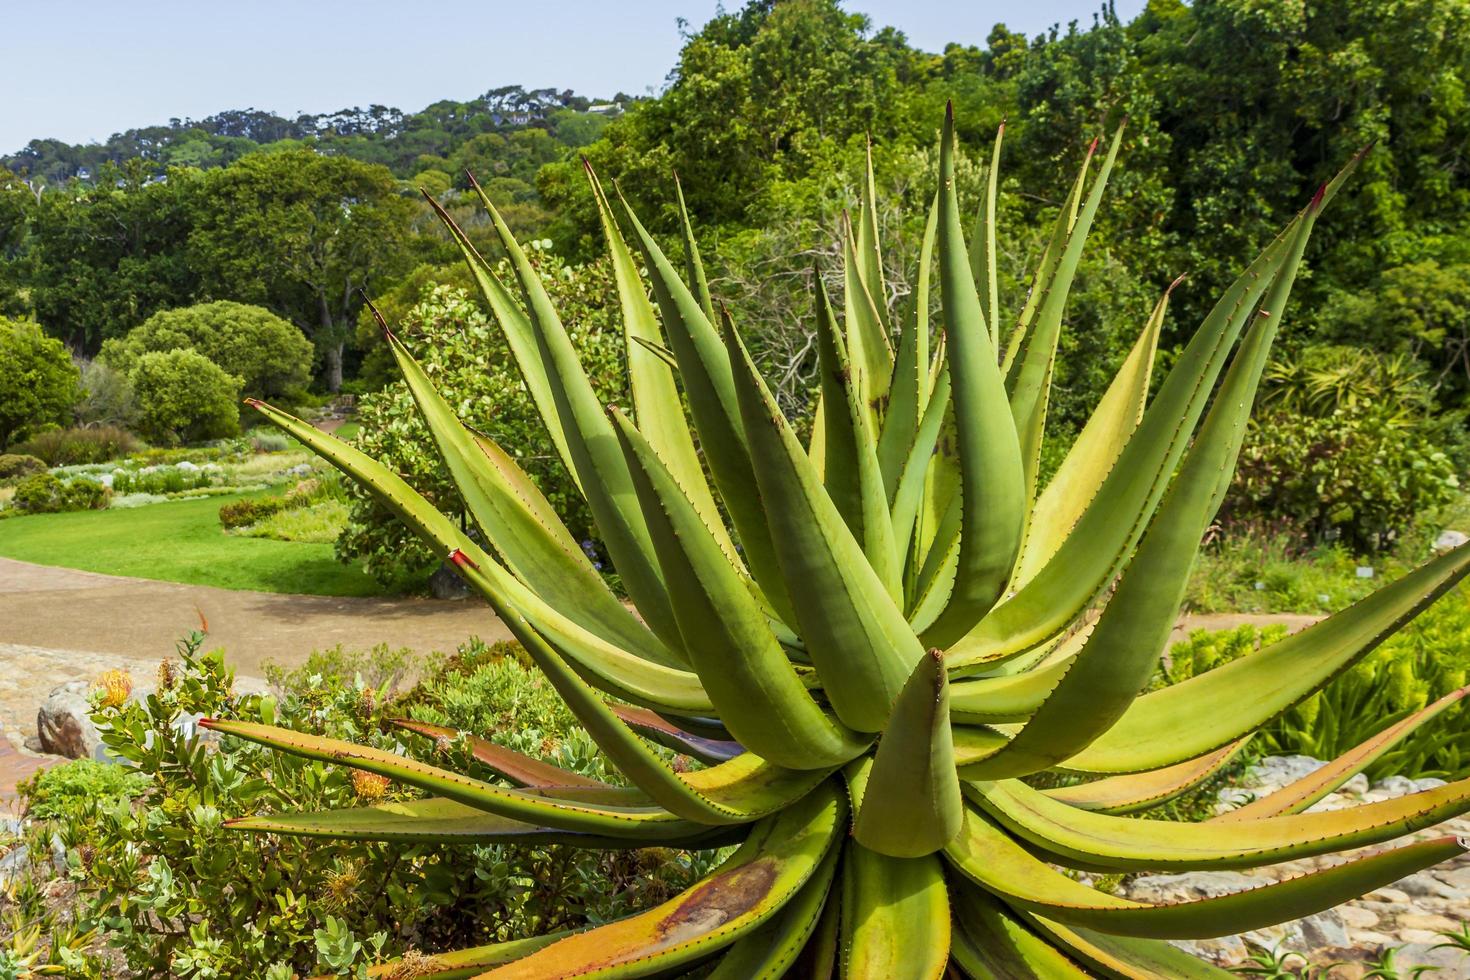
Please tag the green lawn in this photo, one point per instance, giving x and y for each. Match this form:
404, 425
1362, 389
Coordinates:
179, 541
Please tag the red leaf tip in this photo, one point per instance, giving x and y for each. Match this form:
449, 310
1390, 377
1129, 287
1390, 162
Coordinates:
1318, 197
1174, 285
1092, 147
253, 402
461, 559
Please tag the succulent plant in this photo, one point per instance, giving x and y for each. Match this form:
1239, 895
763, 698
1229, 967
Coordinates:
872, 640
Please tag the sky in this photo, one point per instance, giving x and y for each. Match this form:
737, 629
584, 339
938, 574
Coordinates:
104, 66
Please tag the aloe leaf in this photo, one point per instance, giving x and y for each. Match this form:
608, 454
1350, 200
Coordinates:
1046, 268
895, 916
463, 964
1094, 453
1112, 523
1136, 843
993, 495
750, 681
1104, 679
1000, 865
604, 475
869, 250
443, 821
991, 942
768, 871
1215, 708
543, 556
865, 313
856, 636
908, 393
769, 951
693, 267
1009, 697
1132, 792
519, 335
656, 402
1302, 793
908, 497
521, 769
913, 804
604, 811
852, 477
709, 387
656, 728
984, 257
633, 675
1032, 385
1126, 957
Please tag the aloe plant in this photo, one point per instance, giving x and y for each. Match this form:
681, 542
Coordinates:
871, 640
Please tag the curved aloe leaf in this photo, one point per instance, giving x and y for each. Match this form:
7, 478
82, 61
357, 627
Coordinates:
993, 860
1297, 796
1100, 840
992, 943
658, 729
521, 769
993, 495
984, 264
1212, 709
912, 804
770, 950
895, 916
1136, 791
753, 686
857, 638
778, 857
465, 963
1127, 957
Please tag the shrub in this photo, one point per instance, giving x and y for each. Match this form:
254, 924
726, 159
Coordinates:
107, 397
242, 513
84, 444
1347, 448
1424, 661
185, 397
63, 789
15, 466
45, 493
270, 356
38, 382
471, 363
161, 879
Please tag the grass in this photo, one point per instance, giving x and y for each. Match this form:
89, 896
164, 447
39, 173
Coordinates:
180, 541
318, 523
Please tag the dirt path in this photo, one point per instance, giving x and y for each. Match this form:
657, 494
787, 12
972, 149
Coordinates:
59, 624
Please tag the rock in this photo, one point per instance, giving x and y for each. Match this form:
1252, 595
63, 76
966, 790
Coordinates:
1429, 923
445, 583
1227, 951
1421, 936
1355, 917
1320, 930
187, 466
63, 723
1191, 885
1451, 962
1390, 895
1424, 884
1356, 786
1450, 539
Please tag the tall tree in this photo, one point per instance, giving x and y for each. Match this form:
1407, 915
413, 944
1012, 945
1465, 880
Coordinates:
302, 234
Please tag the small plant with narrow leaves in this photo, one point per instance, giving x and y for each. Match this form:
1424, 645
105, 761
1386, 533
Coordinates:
872, 638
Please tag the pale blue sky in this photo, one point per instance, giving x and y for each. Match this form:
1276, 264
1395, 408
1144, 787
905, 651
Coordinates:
83, 70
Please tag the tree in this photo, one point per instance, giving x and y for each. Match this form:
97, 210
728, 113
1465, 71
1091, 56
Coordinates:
104, 258
38, 382
183, 396
304, 235
270, 356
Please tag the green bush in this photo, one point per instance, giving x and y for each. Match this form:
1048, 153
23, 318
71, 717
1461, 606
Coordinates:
160, 880
243, 513
38, 382
45, 493
1347, 447
80, 445
16, 466
62, 789
184, 397
471, 366
270, 356
1426, 660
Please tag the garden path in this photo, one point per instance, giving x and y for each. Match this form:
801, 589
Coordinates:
60, 624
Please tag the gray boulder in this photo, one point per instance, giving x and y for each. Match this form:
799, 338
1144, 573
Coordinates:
63, 725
